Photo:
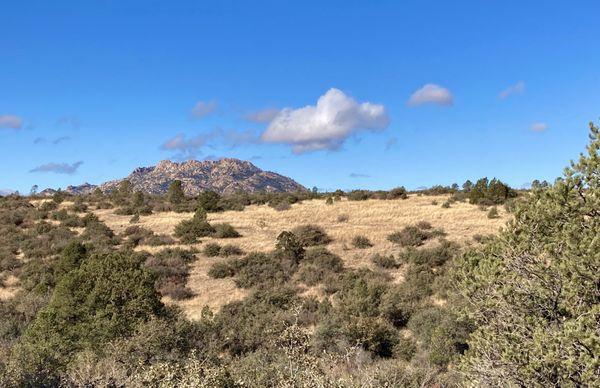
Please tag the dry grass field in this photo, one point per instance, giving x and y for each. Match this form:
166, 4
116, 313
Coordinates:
260, 225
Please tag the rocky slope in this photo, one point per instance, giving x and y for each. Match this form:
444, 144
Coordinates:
224, 176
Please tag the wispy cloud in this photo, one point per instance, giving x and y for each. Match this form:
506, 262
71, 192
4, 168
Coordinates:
186, 148
58, 168
191, 147
10, 122
431, 94
56, 141
539, 127
203, 108
391, 143
69, 121
263, 115
518, 88
326, 125
358, 175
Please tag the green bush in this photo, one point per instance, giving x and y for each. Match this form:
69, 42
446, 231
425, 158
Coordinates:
361, 242
310, 235
220, 270
410, 236
383, 261
105, 298
188, 231
397, 193
171, 267
212, 250
209, 201
493, 213
225, 231
230, 250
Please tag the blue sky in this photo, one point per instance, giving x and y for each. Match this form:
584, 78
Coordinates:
410, 93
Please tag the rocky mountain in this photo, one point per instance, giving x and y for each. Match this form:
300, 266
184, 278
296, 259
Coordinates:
224, 176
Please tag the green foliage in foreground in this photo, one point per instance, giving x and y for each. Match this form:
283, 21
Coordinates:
534, 292
103, 298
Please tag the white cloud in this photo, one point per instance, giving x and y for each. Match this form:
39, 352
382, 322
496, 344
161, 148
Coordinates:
517, 88
539, 127
10, 122
431, 94
58, 168
203, 108
263, 115
326, 125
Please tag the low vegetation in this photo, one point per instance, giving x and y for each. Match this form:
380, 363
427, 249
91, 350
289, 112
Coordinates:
95, 306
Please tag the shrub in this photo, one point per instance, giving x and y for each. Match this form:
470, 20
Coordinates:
289, 245
397, 193
410, 236
358, 195
361, 242
188, 231
220, 270
212, 250
343, 218
424, 225
309, 235
209, 201
230, 250
260, 269
280, 206
171, 267
90, 297
387, 262
432, 257
493, 213
225, 231
319, 264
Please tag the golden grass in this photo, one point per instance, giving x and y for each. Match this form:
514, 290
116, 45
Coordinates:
9, 287
260, 225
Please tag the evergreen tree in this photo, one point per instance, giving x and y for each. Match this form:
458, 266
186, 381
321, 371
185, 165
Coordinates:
175, 193
533, 292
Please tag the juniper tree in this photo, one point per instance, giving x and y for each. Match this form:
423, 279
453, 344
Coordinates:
534, 292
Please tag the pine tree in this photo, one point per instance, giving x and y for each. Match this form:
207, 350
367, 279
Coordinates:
534, 292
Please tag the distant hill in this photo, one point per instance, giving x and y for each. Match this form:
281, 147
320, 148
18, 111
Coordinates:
224, 176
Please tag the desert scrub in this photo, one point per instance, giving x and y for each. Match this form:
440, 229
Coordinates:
212, 250
343, 218
171, 267
221, 269
225, 231
188, 231
493, 213
383, 261
361, 242
410, 236
310, 235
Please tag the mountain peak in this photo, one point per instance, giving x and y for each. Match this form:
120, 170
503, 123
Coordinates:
225, 176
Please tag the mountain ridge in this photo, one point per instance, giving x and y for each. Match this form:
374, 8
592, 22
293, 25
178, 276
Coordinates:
224, 176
